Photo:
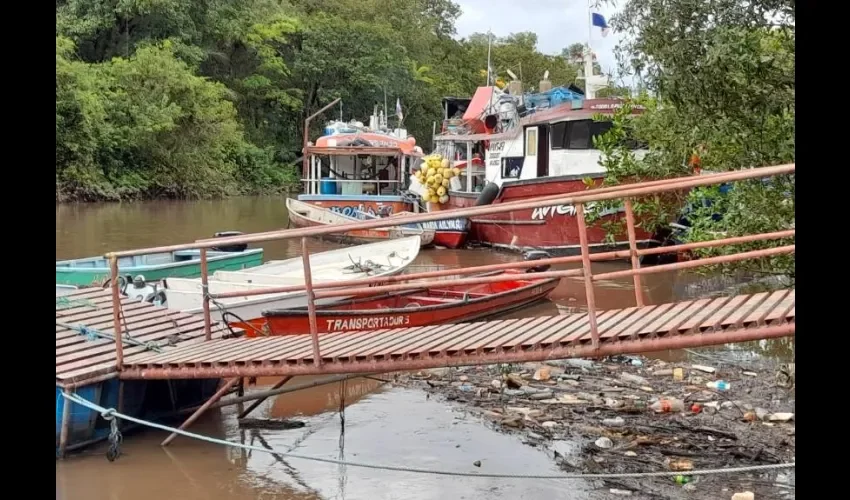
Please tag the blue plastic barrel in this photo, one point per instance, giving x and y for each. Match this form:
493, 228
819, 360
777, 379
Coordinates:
327, 186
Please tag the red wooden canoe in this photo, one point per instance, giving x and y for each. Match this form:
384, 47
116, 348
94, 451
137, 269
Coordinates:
422, 307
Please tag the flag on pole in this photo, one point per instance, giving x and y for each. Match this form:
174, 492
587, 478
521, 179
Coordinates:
398, 109
599, 21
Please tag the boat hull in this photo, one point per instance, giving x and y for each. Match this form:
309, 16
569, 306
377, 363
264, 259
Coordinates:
371, 314
80, 273
329, 266
149, 400
350, 205
553, 229
300, 220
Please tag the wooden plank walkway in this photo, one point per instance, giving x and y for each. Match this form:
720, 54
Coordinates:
633, 329
79, 359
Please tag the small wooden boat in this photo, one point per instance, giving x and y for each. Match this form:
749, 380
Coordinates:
422, 307
384, 258
154, 267
305, 215
449, 233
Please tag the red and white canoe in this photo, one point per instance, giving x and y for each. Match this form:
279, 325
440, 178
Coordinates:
422, 307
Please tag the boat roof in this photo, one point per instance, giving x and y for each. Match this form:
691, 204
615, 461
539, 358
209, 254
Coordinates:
358, 150
563, 112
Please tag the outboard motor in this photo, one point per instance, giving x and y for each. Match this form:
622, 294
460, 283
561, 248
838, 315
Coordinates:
537, 255
139, 289
237, 247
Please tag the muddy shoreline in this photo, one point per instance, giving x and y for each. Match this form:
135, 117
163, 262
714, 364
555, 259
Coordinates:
597, 417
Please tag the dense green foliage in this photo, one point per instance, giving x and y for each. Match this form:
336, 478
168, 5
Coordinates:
719, 76
188, 98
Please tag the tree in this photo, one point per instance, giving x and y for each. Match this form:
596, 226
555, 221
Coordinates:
721, 77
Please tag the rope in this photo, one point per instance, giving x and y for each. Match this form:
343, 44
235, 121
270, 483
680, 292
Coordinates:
63, 303
93, 334
105, 412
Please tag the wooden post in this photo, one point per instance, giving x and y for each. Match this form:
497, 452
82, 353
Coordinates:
205, 287
630, 224
259, 401
218, 395
66, 422
311, 302
588, 275
116, 312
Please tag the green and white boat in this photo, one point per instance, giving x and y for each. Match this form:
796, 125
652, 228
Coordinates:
154, 267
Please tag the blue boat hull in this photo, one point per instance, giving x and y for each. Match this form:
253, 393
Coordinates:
146, 399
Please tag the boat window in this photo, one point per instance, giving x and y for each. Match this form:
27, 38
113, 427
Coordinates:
558, 135
531, 142
512, 167
578, 135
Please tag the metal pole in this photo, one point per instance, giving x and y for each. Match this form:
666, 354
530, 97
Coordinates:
260, 401
305, 154
311, 302
630, 224
221, 392
283, 390
66, 422
116, 313
469, 166
205, 287
588, 275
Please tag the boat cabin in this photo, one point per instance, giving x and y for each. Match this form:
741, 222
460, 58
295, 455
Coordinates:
549, 143
354, 167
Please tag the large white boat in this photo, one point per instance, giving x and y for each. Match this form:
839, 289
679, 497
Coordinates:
385, 258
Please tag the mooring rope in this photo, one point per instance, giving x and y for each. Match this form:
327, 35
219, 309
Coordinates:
93, 334
110, 412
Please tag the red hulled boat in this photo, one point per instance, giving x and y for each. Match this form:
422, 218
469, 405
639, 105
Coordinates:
422, 307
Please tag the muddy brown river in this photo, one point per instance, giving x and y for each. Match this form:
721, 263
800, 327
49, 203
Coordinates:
383, 424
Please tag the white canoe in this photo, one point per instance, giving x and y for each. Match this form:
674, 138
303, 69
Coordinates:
384, 258
306, 215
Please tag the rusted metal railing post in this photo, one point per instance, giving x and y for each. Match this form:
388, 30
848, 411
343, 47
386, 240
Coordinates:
116, 312
260, 401
588, 274
205, 288
630, 225
218, 395
311, 302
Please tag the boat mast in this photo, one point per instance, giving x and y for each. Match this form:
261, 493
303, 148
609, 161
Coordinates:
589, 91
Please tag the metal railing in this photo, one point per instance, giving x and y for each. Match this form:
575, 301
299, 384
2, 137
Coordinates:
368, 286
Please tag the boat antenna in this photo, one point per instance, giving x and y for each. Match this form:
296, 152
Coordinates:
385, 107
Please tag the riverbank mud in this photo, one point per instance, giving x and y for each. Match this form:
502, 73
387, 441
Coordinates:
634, 414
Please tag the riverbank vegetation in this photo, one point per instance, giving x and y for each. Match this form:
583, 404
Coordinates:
187, 99
719, 76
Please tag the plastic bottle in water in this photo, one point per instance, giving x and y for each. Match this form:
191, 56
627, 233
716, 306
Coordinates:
718, 385
668, 406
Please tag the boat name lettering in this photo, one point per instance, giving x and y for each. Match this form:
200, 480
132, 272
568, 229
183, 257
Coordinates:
614, 105
496, 147
458, 224
367, 322
358, 211
541, 213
